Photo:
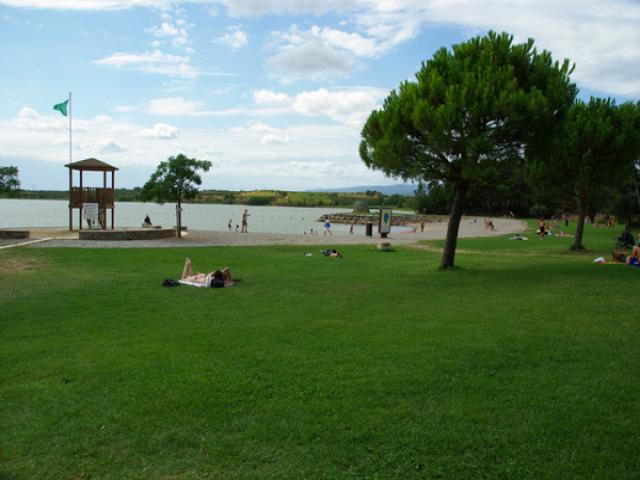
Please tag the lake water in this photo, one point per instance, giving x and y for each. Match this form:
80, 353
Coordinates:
55, 213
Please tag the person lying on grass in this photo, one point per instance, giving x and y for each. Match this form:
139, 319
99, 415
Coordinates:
331, 253
634, 258
214, 279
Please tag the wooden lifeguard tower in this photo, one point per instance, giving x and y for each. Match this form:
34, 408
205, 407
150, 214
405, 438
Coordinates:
81, 196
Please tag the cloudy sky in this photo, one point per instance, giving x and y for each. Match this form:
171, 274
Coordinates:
273, 92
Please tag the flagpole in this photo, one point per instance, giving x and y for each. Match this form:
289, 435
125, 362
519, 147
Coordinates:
70, 129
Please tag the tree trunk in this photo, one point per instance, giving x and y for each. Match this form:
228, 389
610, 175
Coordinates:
179, 220
582, 214
638, 186
459, 200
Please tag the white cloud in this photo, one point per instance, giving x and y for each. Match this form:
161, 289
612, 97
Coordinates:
349, 106
346, 106
250, 155
161, 131
234, 7
166, 29
28, 118
110, 145
177, 85
172, 106
311, 60
321, 52
221, 91
272, 138
354, 42
159, 63
258, 127
234, 37
600, 38
266, 134
241, 8
84, 4
267, 97
182, 42
178, 106
176, 31
125, 108
151, 62
102, 118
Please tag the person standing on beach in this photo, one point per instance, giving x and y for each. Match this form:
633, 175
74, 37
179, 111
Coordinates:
327, 227
542, 228
245, 224
230, 226
351, 229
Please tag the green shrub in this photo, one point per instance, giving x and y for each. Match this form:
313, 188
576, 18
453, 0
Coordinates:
538, 211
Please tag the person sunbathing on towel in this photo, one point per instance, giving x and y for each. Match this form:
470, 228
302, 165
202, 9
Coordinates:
634, 258
214, 279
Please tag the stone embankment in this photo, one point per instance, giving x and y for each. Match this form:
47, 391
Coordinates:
128, 234
14, 234
363, 218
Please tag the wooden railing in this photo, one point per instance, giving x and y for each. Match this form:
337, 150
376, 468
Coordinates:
102, 196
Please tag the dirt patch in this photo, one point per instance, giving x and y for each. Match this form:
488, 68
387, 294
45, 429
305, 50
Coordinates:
13, 265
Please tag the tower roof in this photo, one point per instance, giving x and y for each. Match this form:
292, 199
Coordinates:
92, 164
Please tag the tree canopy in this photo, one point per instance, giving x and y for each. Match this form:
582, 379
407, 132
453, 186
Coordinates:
485, 101
592, 156
175, 180
9, 182
630, 124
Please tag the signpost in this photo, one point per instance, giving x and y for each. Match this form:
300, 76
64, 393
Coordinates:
384, 224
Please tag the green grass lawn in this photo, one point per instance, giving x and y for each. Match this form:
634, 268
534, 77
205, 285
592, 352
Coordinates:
597, 241
376, 365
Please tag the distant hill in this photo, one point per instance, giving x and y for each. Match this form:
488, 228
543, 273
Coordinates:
398, 189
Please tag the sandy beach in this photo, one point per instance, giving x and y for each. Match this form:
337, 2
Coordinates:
59, 237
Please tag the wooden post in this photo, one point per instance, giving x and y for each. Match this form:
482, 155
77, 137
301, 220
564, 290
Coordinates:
81, 199
70, 197
103, 208
113, 190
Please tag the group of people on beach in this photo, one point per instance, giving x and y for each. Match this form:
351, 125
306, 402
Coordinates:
245, 223
554, 230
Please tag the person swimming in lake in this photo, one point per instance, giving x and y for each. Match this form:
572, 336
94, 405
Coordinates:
215, 279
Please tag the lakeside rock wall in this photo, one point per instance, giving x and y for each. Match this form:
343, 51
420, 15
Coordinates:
141, 234
363, 219
14, 234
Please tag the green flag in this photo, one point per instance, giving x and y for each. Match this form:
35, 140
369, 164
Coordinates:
62, 107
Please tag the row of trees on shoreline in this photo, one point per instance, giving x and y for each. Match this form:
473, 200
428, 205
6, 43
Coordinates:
273, 198
487, 108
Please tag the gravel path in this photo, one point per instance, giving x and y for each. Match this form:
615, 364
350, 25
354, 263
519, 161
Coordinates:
199, 238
